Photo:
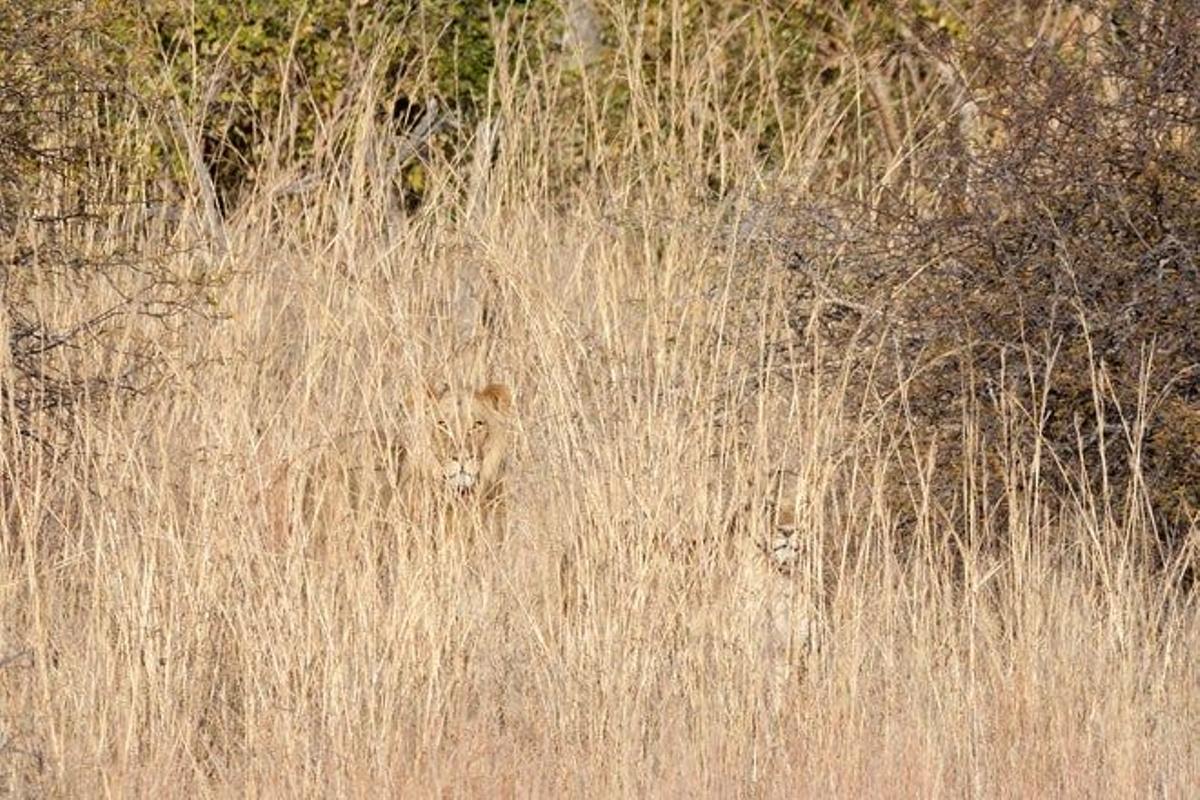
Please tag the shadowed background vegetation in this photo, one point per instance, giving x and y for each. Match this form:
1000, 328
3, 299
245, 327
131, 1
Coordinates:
936, 261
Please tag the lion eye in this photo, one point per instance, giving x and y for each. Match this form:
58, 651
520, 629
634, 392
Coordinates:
477, 425
442, 426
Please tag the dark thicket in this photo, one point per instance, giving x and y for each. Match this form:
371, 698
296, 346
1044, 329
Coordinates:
1057, 266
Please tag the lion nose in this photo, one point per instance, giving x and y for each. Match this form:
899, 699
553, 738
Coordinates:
459, 474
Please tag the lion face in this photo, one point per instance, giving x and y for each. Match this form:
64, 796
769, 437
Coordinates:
356, 477
768, 530
782, 543
469, 441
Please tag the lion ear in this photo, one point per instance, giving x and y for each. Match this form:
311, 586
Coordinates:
497, 394
436, 391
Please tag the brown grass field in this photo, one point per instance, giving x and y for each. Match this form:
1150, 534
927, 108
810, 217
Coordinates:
159, 641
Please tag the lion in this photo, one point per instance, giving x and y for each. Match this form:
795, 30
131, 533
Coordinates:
451, 470
768, 566
780, 583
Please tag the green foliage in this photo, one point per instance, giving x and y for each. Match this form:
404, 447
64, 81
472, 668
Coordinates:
264, 78
463, 60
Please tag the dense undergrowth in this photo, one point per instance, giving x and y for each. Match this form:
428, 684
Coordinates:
936, 264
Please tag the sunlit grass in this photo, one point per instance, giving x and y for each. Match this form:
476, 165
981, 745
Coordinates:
164, 642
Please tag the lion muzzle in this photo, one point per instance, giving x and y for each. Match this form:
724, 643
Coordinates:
461, 475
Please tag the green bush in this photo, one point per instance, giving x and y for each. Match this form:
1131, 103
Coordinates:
264, 78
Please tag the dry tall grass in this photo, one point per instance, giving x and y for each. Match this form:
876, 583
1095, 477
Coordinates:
159, 643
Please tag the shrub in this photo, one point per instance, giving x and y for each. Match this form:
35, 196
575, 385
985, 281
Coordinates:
265, 78
1045, 255
74, 276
